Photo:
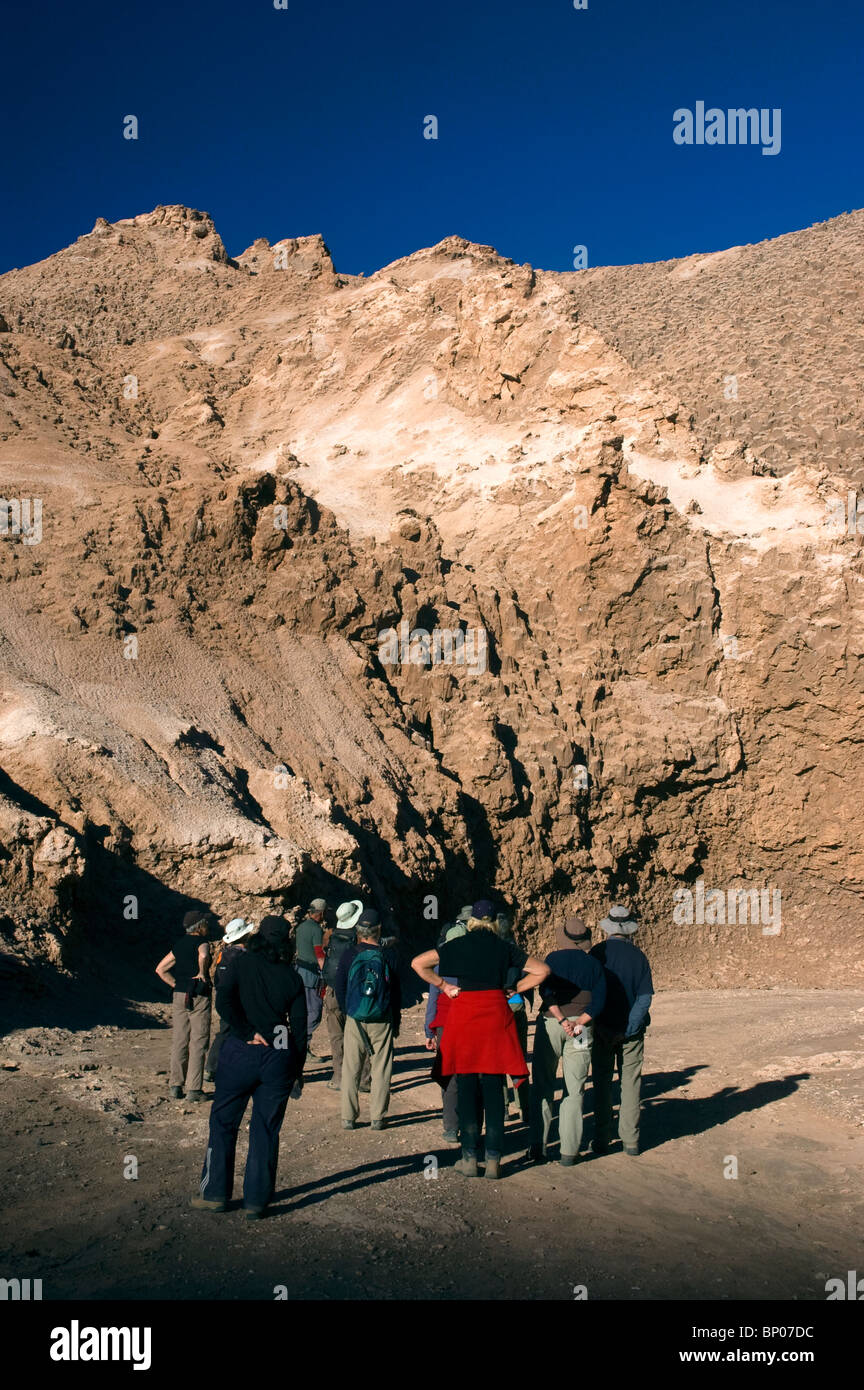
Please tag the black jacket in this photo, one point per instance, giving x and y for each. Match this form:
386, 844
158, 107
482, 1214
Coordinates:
256, 995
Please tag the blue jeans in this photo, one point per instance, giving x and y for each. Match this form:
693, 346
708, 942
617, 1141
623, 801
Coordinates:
267, 1074
314, 1002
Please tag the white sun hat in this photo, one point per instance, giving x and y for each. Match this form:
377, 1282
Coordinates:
620, 922
236, 929
348, 914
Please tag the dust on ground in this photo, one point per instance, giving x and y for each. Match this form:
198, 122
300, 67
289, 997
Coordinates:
769, 1079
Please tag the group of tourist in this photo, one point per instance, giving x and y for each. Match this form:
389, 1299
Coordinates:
275, 986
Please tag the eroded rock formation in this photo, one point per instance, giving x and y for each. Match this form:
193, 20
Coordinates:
250, 469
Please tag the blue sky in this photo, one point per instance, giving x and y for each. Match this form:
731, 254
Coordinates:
554, 125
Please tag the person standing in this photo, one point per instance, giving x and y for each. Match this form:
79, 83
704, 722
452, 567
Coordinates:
520, 1004
263, 1000
343, 936
437, 1005
367, 990
479, 1043
309, 940
185, 970
619, 1031
235, 932
571, 998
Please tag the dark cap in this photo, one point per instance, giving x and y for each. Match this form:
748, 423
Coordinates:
483, 908
369, 918
195, 918
274, 929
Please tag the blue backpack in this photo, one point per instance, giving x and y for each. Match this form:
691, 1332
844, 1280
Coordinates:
367, 995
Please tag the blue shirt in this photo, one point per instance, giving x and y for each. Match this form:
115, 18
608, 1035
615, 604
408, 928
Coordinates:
629, 987
574, 972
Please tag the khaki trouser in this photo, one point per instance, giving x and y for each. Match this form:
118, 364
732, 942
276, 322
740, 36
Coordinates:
189, 1038
518, 1095
551, 1046
629, 1056
335, 1020
380, 1037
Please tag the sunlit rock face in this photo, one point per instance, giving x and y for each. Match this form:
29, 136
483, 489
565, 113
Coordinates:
461, 579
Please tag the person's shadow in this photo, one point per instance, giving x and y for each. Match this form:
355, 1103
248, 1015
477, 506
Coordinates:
291, 1199
676, 1117
667, 1117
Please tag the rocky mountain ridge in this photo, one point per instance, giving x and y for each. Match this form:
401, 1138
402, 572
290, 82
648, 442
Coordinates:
251, 469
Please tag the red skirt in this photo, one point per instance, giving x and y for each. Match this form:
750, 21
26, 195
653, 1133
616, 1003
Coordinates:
441, 1008
480, 1036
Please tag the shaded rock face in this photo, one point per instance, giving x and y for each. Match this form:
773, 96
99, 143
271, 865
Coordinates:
426, 585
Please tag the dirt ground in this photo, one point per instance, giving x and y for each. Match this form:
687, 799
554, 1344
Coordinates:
771, 1079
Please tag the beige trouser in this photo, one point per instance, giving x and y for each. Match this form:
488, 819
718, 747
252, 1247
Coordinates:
189, 1039
628, 1056
380, 1037
551, 1045
335, 1021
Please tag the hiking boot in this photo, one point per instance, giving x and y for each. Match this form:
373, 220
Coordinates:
364, 1090
349, 1124
195, 1095
176, 1093
334, 1086
254, 1213
297, 1090
493, 1167
536, 1154
202, 1204
451, 1136
379, 1124
568, 1160
209, 1076
467, 1166
628, 1149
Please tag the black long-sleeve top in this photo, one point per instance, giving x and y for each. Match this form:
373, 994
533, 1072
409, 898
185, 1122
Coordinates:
256, 995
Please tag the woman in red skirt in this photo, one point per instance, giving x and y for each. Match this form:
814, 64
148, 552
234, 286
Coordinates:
479, 1043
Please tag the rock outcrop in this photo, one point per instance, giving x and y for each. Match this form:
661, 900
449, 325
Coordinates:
636, 660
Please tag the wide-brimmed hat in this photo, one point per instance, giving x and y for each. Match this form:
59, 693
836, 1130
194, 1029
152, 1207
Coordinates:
572, 933
465, 913
620, 922
236, 929
348, 914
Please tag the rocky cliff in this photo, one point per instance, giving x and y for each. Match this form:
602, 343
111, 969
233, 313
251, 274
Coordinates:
463, 577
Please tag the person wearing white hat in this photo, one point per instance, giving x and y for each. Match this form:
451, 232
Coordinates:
236, 930
619, 1031
343, 936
